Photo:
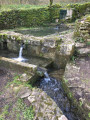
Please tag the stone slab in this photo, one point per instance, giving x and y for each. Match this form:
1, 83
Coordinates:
77, 79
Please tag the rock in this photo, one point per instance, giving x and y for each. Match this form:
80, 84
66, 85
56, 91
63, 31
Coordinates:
24, 92
64, 51
24, 77
77, 76
49, 43
31, 99
63, 118
83, 51
83, 29
44, 106
25, 95
16, 89
88, 40
79, 45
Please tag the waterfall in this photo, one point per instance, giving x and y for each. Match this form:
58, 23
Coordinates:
47, 78
20, 52
20, 58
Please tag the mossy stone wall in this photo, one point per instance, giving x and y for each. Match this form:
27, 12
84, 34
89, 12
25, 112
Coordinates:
27, 18
79, 10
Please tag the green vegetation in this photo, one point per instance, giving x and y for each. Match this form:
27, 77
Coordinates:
81, 33
88, 43
20, 7
79, 39
88, 19
12, 16
73, 58
66, 81
28, 17
4, 113
17, 82
19, 110
26, 112
80, 10
89, 114
81, 103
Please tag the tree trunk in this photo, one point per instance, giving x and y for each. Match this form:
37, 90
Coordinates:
51, 2
20, 1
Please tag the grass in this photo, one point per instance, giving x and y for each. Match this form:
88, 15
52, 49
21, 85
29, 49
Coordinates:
19, 109
22, 110
17, 82
4, 113
20, 7
8, 6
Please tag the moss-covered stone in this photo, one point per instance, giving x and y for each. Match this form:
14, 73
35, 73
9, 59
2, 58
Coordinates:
78, 77
26, 18
79, 10
82, 29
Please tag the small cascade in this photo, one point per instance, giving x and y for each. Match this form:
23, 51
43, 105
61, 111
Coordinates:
54, 89
20, 58
46, 78
20, 52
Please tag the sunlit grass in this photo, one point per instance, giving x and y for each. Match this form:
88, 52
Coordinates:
20, 7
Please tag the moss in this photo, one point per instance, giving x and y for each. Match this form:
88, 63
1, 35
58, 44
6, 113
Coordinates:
27, 18
79, 9
3, 37
79, 110
18, 38
4, 112
48, 103
40, 114
88, 43
81, 33
88, 19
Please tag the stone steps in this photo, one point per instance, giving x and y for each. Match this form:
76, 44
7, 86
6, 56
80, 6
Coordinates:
82, 49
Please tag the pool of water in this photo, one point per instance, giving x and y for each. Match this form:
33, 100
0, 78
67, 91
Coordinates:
42, 31
42, 62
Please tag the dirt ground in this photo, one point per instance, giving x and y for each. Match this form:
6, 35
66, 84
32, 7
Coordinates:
6, 76
8, 96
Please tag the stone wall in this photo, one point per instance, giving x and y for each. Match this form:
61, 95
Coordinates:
57, 48
28, 71
82, 29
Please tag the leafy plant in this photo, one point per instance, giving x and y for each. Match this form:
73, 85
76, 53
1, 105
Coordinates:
79, 39
88, 43
70, 95
16, 82
81, 103
65, 80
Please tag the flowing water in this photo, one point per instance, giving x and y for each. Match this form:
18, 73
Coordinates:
20, 58
54, 89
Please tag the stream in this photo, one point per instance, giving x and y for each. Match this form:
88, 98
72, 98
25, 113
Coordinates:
54, 89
